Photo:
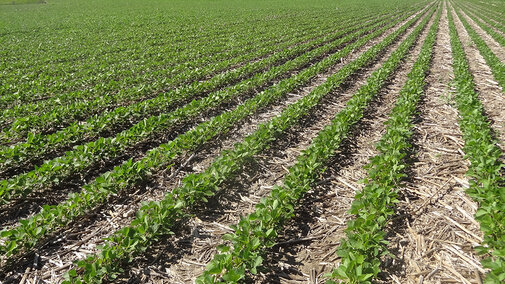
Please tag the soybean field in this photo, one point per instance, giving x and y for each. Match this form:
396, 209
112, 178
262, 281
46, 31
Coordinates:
227, 141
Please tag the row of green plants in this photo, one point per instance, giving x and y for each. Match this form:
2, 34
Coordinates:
122, 88
497, 67
485, 172
155, 219
259, 230
54, 85
485, 25
137, 50
164, 35
489, 17
125, 44
38, 146
148, 61
483, 9
72, 105
31, 231
63, 110
90, 154
365, 244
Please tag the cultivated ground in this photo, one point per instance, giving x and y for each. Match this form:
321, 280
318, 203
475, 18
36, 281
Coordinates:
258, 142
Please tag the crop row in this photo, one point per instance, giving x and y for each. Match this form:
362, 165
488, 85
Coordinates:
486, 184
123, 177
48, 88
171, 32
489, 16
159, 37
65, 114
153, 63
156, 218
69, 107
497, 67
155, 60
178, 29
88, 155
145, 76
491, 12
485, 26
169, 76
162, 41
364, 246
39, 146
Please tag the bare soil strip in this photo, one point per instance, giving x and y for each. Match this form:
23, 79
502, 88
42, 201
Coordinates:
435, 232
491, 94
307, 247
204, 230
